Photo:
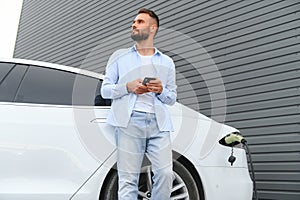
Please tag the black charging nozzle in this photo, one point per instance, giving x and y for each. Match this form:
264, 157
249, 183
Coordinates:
232, 140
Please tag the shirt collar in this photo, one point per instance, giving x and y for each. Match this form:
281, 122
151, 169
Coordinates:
156, 51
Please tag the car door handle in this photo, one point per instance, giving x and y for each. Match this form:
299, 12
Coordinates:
99, 120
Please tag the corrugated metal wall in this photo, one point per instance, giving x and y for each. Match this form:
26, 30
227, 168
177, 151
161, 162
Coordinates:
236, 61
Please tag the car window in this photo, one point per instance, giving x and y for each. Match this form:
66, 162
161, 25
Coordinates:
99, 101
10, 78
5, 68
86, 91
51, 86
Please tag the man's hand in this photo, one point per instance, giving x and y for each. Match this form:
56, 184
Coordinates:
155, 86
136, 87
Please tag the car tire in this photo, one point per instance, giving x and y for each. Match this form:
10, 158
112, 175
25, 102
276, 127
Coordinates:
184, 185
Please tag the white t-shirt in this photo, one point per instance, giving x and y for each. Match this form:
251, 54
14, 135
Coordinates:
145, 102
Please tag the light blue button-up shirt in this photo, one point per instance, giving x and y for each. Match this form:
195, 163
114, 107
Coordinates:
125, 66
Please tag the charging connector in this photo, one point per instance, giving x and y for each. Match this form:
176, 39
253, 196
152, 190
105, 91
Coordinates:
233, 139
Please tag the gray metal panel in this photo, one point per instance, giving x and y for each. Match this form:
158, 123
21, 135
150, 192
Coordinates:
254, 45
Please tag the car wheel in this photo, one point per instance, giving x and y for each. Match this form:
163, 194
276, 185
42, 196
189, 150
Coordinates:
184, 185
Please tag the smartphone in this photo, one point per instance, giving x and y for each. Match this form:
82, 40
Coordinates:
147, 80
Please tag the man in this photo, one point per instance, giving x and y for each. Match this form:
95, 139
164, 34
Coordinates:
139, 113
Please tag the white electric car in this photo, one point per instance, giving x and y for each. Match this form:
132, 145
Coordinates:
55, 144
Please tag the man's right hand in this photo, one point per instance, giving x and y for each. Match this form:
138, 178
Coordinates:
136, 87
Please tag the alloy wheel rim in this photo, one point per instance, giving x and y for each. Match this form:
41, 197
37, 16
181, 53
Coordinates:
179, 189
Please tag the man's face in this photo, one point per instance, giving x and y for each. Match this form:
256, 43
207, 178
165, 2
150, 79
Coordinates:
141, 27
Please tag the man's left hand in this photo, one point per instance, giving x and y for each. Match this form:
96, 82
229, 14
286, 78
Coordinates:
155, 86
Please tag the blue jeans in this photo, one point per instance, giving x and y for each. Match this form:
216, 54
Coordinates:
141, 137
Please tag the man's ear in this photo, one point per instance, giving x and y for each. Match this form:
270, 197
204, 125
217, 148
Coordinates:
153, 28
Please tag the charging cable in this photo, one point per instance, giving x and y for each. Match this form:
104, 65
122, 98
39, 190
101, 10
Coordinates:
232, 140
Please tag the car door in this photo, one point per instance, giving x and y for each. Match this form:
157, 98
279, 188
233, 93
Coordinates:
49, 143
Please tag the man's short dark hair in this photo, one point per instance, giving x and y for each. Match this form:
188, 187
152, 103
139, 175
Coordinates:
150, 13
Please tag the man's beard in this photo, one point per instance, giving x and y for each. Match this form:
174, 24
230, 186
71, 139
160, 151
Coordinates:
139, 36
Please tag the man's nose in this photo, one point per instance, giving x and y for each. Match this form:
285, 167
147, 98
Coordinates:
133, 26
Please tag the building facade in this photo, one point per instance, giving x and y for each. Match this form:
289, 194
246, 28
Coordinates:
236, 61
